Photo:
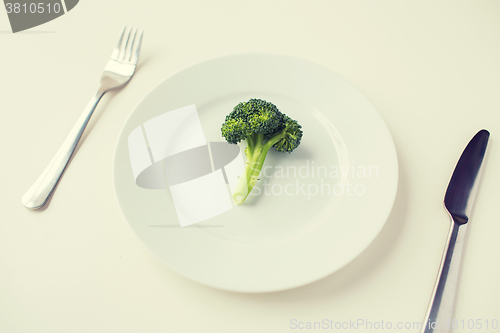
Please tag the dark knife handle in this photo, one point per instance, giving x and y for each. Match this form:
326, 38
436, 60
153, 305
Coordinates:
440, 312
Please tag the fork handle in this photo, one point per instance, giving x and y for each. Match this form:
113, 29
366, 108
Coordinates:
440, 312
39, 193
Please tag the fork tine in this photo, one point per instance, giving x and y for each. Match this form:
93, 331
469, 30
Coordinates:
116, 50
130, 45
137, 46
124, 42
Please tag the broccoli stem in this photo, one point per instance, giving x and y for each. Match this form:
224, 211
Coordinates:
256, 153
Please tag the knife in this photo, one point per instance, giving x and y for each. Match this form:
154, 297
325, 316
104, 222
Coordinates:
458, 202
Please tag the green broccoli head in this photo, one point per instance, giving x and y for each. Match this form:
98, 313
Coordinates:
235, 130
292, 134
262, 126
253, 117
261, 118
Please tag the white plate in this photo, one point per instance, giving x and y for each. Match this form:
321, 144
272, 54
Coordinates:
297, 233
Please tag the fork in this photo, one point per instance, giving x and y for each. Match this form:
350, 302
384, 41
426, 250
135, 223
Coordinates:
118, 72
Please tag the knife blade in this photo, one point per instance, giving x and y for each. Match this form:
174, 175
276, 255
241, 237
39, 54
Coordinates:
458, 201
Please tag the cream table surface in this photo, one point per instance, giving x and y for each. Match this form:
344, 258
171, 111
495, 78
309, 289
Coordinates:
432, 69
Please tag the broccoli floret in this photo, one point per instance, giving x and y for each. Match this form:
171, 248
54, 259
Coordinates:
263, 126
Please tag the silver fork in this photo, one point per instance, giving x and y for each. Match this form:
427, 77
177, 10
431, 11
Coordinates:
117, 73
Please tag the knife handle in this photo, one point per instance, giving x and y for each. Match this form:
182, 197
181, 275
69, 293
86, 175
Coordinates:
440, 312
